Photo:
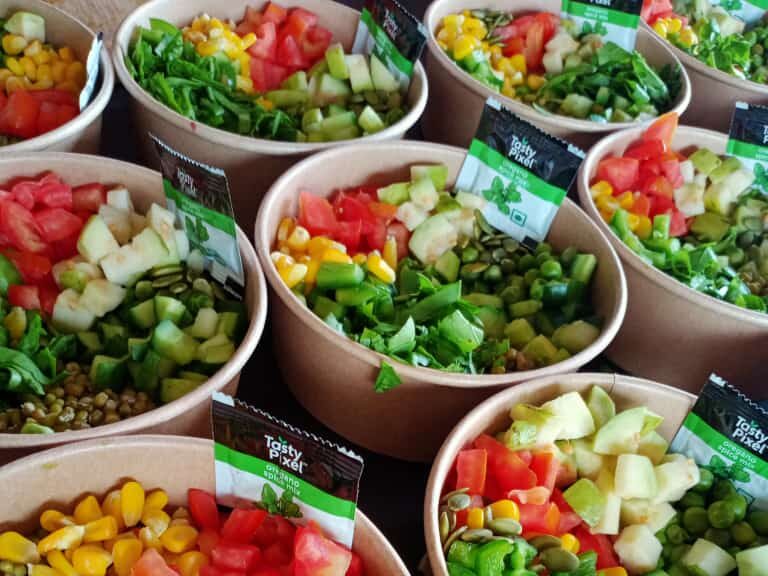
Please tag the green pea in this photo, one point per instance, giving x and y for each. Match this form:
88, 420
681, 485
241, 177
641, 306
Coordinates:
722, 490
759, 521
530, 276
739, 505
551, 270
696, 520
542, 257
757, 49
720, 514
469, 254
536, 290
568, 255
720, 537
676, 534
493, 274
757, 60
692, 499
542, 247
743, 534
526, 262
706, 478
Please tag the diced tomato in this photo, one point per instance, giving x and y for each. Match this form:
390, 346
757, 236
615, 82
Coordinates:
298, 22
568, 517
267, 75
265, 571
253, 16
678, 226
48, 293
663, 128
401, 235
648, 168
289, 54
514, 46
274, 13
653, 7
660, 205
32, 267
66, 248
349, 234
383, 211
316, 555
540, 518
315, 43
518, 28
55, 96
670, 167
24, 193
508, 469
278, 554
239, 557
599, 543
18, 225
57, 224
641, 205
203, 508
350, 209
375, 235
646, 149
207, 540
265, 46
534, 46
151, 564
316, 215
19, 116
65, 113
658, 186
535, 495
48, 118
546, 466
3, 99
471, 468
274, 529
89, 197
550, 22
356, 567
242, 525
211, 570
620, 173
525, 455
24, 295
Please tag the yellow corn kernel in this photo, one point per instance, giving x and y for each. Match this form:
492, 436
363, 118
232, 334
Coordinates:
41, 570
198, 24
112, 506
15, 548
178, 539
57, 559
58, 70
508, 90
189, 563
207, 48
688, 37
245, 64
67, 54
661, 28
157, 499
41, 58
248, 40
447, 36
244, 84
62, 539
569, 542
626, 200
518, 63
16, 83
299, 239
359, 258
87, 510
110, 544
390, 252
76, 73
606, 202
266, 104
475, 518
285, 228
379, 268
44, 72
156, 519
131, 502
41, 85
33, 48
335, 255
475, 27
606, 214
91, 560
516, 79
464, 46
14, 66
104, 528
14, 44
601, 188
281, 261
633, 220
68, 86
180, 522
312, 267
535, 81
52, 520
29, 66
180, 512
614, 571
453, 21
125, 553
4, 75
149, 539
674, 25
215, 23
644, 227
505, 509
293, 276
317, 245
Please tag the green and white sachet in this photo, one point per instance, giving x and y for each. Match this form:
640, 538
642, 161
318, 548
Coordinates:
615, 20
748, 140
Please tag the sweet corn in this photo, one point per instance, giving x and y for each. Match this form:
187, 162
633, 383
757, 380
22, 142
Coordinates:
447, 35
67, 85
44, 72
299, 239
178, 539
660, 27
535, 81
63, 539
390, 252
285, 228
615, 571
626, 200
518, 63
317, 245
606, 214
104, 528
87, 510
112, 506
508, 90
34, 48
149, 539
379, 268
52, 520
644, 227
189, 563
606, 203
244, 84
125, 553
131, 502
570, 542
505, 509
245, 64
41, 57
180, 522
207, 48
516, 79
14, 44
359, 258
41, 570
688, 37
475, 27
180, 512
312, 267
475, 518
264, 103
248, 40
464, 46
91, 560
633, 220
157, 499
76, 73
58, 70
294, 275
15, 548
601, 188
67, 54
453, 21
14, 66
29, 66
674, 25
57, 559
4, 75
335, 255
110, 544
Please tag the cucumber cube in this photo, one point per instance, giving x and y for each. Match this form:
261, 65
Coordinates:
337, 64
170, 342
359, 73
382, 78
296, 81
370, 121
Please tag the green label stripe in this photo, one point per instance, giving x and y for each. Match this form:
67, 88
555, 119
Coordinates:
762, 4
302, 489
728, 448
190, 206
512, 171
747, 150
602, 14
384, 49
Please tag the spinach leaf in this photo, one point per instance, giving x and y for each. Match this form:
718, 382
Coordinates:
19, 373
387, 378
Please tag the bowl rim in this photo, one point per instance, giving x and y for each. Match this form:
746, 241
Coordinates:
248, 143
531, 114
149, 441
489, 408
255, 284
697, 65
86, 117
632, 260
263, 240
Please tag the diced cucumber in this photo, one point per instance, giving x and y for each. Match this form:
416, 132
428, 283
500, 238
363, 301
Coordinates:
102, 296
174, 388
586, 499
635, 477
196, 376
96, 240
437, 172
30, 26
138, 348
576, 105
216, 350
169, 341
162, 221
708, 558
90, 340
338, 122
296, 81
318, 69
396, 193
148, 374
205, 324
230, 324
448, 266
370, 121
287, 98
312, 117
638, 549
118, 222
575, 336
107, 372
337, 64
752, 562
167, 308
346, 133
69, 315
423, 193
143, 314
381, 77
432, 238
120, 198
574, 416
359, 73
705, 161
329, 90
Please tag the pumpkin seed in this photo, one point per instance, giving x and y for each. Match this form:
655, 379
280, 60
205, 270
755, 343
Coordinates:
505, 526
453, 537
483, 223
444, 525
451, 519
144, 290
459, 502
488, 514
165, 281
545, 541
498, 254
536, 568
166, 270
178, 288
445, 498
559, 560
510, 245
477, 535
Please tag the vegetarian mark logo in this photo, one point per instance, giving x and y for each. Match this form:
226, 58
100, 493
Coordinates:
284, 453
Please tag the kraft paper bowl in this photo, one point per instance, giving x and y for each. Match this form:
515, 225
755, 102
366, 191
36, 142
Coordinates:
59, 477
673, 333
333, 377
456, 98
82, 133
251, 164
189, 414
492, 416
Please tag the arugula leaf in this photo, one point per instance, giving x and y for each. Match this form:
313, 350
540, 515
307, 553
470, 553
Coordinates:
650, 80
19, 373
30, 341
387, 378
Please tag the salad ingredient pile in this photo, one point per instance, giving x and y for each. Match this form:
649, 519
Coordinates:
105, 312
274, 75
134, 533
699, 217
39, 83
415, 272
546, 62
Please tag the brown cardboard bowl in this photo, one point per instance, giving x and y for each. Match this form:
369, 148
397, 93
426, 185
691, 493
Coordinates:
456, 99
333, 376
493, 416
673, 333
252, 164
189, 414
713, 92
82, 133
60, 476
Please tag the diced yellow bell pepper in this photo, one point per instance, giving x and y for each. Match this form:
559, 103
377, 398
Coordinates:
131, 502
178, 539
189, 563
505, 509
601, 188
63, 539
87, 510
379, 268
18, 549
570, 542
614, 571
91, 560
464, 46
57, 559
157, 499
125, 554
475, 518
105, 528
390, 252
644, 228
626, 200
